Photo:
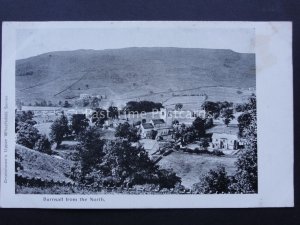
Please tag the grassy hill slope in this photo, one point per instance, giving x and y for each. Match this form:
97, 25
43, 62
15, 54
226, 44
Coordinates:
35, 164
130, 72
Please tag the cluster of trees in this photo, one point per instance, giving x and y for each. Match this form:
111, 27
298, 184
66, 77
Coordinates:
44, 103
93, 102
219, 109
127, 132
60, 128
245, 178
28, 136
142, 106
214, 108
117, 164
189, 134
100, 115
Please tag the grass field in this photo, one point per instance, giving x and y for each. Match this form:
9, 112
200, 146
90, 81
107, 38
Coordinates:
190, 166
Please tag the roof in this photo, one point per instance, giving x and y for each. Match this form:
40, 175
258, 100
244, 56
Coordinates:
224, 135
231, 129
165, 127
147, 126
149, 144
158, 121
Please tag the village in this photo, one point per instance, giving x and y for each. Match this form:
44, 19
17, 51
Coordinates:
168, 134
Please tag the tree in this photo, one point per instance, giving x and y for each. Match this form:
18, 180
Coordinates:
153, 134
95, 102
27, 135
214, 182
126, 165
205, 144
66, 104
113, 112
142, 106
210, 107
246, 173
90, 150
199, 126
99, 117
124, 130
227, 115
59, 129
79, 123
43, 145
244, 120
178, 106
24, 117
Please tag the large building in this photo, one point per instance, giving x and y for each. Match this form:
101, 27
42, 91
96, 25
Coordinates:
225, 138
223, 141
146, 130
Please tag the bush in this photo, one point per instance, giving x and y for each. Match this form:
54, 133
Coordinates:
59, 129
24, 117
214, 182
246, 173
90, 150
128, 132
217, 153
124, 165
27, 135
43, 145
79, 123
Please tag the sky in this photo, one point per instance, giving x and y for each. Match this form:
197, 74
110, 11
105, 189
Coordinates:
39, 40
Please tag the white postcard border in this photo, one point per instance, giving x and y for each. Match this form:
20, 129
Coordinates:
274, 86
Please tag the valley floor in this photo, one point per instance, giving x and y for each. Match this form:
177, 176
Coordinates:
191, 166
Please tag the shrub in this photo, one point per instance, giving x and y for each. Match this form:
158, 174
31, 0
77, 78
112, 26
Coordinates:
90, 149
59, 129
217, 153
43, 145
128, 132
214, 182
124, 165
79, 123
27, 135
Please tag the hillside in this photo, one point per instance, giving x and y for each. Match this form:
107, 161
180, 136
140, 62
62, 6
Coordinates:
37, 165
130, 73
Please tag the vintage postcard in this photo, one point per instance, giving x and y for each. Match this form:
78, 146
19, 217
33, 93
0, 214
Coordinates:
146, 114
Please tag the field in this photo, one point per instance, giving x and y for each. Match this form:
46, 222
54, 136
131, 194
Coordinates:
190, 166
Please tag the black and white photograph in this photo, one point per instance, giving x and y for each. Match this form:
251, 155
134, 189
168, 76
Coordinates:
135, 109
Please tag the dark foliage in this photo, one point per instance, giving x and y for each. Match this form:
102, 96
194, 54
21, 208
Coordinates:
24, 117
113, 112
214, 182
142, 106
79, 123
43, 145
99, 117
227, 115
128, 132
27, 135
90, 150
59, 130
